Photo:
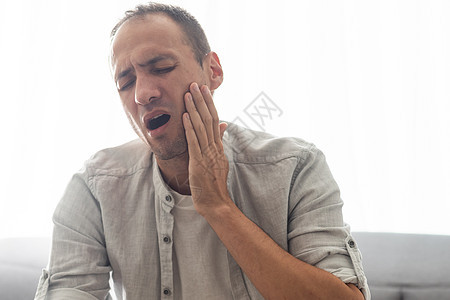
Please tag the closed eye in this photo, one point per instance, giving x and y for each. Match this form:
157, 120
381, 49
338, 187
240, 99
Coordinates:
156, 71
127, 85
160, 71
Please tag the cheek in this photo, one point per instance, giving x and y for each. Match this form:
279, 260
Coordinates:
186, 78
176, 90
192, 73
130, 107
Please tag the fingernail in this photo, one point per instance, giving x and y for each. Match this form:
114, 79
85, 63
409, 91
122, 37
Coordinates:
195, 87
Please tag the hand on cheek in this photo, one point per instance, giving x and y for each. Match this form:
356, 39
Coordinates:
208, 165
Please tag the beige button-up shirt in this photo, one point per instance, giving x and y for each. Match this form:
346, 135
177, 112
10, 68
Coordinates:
115, 218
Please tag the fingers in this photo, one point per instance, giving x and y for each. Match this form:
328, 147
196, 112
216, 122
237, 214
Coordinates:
212, 110
204, 118
196, 121
222, 127
201, 95
191, 137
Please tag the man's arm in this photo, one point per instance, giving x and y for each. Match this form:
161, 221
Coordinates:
79, 266
274, 272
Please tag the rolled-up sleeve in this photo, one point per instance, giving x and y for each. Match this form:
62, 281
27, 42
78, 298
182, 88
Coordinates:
79, 267
317, 233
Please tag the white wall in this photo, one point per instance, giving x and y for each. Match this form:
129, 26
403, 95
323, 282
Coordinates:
366, 81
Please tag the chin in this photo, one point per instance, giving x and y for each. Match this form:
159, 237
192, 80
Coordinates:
168, 151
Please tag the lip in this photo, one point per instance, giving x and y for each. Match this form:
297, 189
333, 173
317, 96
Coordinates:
158, 131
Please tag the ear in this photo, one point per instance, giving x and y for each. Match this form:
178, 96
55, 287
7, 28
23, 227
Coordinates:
214, 70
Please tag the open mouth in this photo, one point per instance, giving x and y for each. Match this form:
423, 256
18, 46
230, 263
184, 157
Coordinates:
158, 121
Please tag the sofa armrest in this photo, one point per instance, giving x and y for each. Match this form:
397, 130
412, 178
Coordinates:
406, 266
21, 264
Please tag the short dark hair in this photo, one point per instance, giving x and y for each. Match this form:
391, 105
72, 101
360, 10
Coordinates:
193, 32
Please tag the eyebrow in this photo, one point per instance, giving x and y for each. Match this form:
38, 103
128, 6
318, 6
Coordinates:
123, 74
156, 60
150, 62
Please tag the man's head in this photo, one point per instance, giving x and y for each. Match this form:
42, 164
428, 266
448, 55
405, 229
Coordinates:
154, 60
193, 32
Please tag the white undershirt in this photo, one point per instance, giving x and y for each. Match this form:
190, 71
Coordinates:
200, 264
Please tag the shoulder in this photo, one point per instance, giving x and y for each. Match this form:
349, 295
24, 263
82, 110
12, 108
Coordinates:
249, 146
121, 160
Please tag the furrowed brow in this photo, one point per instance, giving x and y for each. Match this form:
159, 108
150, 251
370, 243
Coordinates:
156, 60
150, 62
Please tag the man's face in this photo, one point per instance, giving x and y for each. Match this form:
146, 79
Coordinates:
153, 66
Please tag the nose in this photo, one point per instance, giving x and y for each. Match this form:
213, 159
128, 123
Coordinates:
147, 90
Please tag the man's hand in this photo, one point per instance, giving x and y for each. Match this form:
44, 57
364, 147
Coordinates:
274, 272
208, 165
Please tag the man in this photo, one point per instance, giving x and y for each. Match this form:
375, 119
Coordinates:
189, 211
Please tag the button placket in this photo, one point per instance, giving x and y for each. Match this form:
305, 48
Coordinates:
165, 245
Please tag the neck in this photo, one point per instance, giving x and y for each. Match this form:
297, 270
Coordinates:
175, 173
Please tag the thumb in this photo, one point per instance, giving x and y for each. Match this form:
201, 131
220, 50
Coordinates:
222, 127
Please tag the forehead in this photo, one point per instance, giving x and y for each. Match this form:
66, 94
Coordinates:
141, 38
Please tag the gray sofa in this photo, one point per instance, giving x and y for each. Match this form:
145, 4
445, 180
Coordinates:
21, 262
398, 266
406, 266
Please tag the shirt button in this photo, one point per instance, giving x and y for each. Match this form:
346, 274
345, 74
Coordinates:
168, 198
166, 239
351, 243
166, 292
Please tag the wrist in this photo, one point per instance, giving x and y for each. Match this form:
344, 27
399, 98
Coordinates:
217, 213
